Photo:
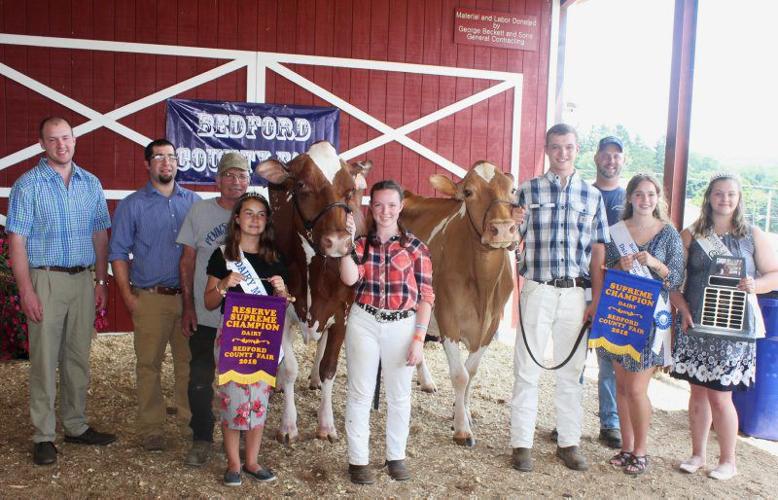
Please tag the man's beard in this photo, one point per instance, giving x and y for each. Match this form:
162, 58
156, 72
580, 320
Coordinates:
165, 179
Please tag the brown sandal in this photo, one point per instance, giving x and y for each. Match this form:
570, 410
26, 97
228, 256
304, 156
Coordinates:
621, 459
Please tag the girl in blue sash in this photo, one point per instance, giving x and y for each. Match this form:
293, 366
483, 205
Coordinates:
647, 244
715, 366
249, 247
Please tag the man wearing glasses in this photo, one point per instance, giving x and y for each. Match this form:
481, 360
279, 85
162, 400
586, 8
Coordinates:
145, 225
203, 231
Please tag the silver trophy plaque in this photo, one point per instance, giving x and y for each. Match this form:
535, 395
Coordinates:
723, 311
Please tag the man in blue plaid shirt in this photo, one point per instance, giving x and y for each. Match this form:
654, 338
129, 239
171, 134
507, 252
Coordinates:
564, 232
58, 222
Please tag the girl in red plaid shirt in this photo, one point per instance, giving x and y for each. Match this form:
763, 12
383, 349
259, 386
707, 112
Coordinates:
392, 272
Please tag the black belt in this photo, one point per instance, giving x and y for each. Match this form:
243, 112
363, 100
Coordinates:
162, 290
568, 283
60, 269
386, 315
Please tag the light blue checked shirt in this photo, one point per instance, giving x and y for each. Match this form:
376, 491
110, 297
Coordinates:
146, 224
560, 226
57, 221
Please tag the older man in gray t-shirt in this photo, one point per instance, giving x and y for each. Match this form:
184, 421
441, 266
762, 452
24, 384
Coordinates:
203, 231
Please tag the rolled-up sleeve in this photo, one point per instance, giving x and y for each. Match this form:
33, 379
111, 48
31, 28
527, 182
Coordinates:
358, 255
422, 270
122, 232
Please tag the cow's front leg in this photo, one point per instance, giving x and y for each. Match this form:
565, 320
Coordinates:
314, 380
288, 371
471, 364
327, 369
463, 434
424, 377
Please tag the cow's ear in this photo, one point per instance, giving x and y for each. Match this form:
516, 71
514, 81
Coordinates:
444, 185
274, 171
358, 171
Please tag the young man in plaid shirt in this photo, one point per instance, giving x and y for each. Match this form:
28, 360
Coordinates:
564, 231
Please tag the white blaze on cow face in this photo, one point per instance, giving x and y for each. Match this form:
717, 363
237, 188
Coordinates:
485, 171
309, 253
326, 158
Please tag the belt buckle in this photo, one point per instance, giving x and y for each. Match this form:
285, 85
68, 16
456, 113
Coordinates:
564, 282
379, 316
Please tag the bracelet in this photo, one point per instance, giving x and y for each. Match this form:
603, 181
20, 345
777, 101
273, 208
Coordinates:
223, 293
101, 282
421, 327
418, 338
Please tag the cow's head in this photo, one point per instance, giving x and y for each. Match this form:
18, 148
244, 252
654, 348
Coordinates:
488, 195
323, 189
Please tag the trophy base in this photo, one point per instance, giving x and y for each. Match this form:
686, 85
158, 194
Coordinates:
723, 333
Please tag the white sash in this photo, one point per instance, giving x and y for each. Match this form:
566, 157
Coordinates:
662, 317
713, 246
251, 283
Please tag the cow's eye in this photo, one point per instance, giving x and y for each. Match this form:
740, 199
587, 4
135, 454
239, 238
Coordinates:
468, 193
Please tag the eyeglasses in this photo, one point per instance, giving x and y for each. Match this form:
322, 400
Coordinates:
161, 157
243, 177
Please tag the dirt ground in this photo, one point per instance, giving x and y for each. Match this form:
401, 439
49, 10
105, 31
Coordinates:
312, 468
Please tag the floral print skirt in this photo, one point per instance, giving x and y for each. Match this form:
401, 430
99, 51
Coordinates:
242, 407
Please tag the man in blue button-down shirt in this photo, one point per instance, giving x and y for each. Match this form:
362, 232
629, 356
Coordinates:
145, 225
57, 225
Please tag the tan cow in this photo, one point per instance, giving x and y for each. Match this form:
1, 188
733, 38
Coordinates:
310, 198
469, 236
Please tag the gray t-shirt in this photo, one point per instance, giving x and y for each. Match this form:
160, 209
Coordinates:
204, 229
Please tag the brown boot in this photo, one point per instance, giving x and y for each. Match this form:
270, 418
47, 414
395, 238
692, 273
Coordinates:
361, 474
397, 470
573, 458
522, 459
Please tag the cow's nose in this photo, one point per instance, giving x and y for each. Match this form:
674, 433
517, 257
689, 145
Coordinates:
502, 230
327, 242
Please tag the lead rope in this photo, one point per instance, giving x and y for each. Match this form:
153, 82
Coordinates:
577, 342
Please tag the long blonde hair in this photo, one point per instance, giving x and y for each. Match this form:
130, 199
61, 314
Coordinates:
660, 211
703, 226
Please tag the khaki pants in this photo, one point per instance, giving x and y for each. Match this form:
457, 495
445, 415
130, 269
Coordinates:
62, 339
157, 321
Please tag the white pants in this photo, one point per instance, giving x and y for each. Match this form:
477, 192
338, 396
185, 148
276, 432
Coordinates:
367, 343
558, 313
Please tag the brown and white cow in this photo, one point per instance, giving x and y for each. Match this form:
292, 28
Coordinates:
310, 197
469, 236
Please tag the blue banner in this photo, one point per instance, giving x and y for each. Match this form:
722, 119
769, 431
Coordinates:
202, 131
625, 313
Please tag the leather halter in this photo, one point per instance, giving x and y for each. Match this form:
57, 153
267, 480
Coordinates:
310, 224
486, 214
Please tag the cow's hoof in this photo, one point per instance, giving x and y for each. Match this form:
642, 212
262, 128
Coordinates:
314, 386
332, 436
429, 389
466, 440
286, 438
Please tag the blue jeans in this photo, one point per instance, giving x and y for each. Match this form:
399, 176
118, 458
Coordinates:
606, 389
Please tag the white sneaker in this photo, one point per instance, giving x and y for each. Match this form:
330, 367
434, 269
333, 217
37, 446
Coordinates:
723, 472
691, 465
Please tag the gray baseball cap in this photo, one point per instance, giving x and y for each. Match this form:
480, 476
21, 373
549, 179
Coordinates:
610, 140
232, 160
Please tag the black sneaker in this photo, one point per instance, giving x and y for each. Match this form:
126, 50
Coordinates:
231, 478
262, 474
91, 436
611, 438
44, 453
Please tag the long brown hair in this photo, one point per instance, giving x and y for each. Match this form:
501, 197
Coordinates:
703, 226
372, 230
660, 211
267, 245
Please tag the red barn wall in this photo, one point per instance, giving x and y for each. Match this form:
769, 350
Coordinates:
412, 31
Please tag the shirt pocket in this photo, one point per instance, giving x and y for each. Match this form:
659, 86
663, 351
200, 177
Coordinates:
583, 214
402, 262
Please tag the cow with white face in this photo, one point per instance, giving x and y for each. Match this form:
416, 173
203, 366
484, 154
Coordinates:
310, 198
469, 236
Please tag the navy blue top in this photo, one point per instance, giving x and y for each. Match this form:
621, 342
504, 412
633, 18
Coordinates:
614, 204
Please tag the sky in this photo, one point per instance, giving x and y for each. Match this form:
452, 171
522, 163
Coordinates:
617, 70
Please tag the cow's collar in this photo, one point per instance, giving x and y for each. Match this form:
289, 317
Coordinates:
308, 225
